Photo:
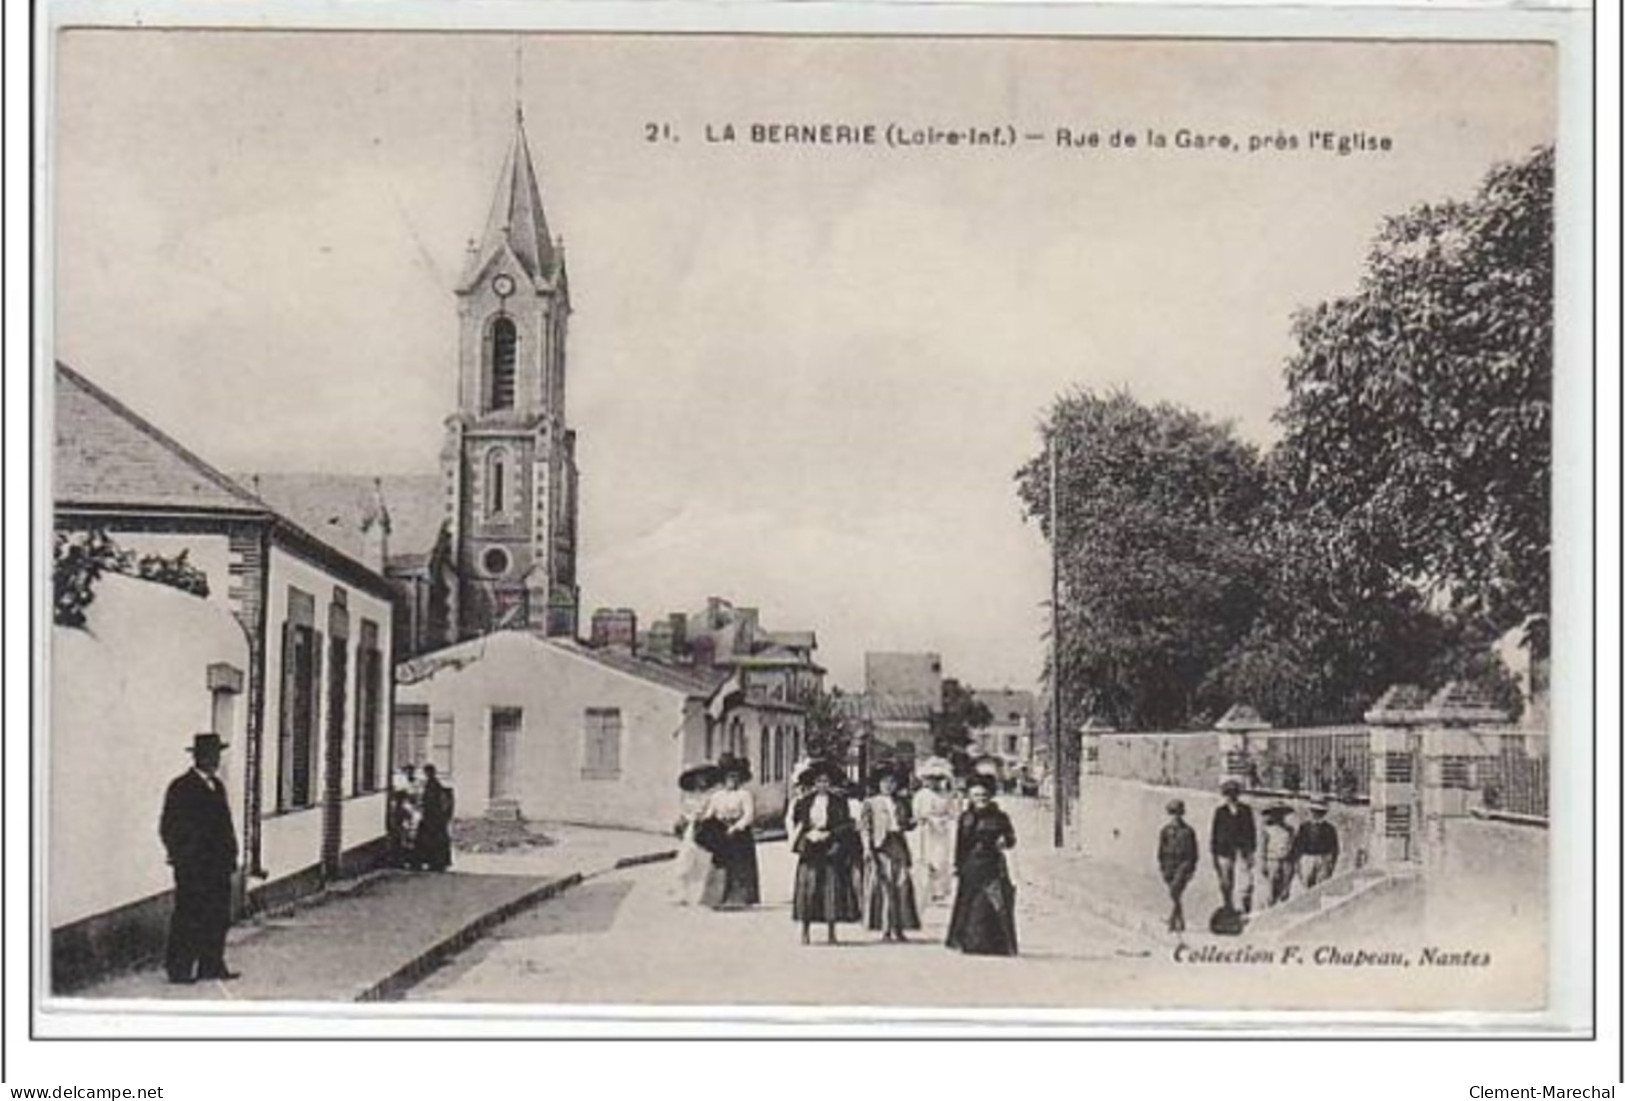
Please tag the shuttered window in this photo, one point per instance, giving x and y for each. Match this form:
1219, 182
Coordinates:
369, 691
299, 702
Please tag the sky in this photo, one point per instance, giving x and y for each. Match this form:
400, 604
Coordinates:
802, 378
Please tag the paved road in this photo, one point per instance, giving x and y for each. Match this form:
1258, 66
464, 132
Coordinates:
620, 939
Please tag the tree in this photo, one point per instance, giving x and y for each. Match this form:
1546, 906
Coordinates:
829, 728
962, 713
1160, 578
82, 557
1418, 422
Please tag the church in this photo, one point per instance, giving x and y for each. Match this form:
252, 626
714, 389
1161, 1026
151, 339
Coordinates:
494, 683
489, 543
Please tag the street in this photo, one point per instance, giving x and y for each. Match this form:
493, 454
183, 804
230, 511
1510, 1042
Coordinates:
620, 939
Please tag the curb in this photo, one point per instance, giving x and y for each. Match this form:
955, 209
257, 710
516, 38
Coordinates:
419, 967
394, 985
641, 858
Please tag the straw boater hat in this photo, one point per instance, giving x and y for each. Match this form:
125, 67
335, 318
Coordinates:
1318, 805
1276, 811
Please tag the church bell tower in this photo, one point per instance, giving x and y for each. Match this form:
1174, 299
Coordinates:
509, 459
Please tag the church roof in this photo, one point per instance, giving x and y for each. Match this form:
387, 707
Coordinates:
516, 221
106, 454
340, 507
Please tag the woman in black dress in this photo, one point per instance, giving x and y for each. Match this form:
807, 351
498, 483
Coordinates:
734, 882
984, 914
825, 840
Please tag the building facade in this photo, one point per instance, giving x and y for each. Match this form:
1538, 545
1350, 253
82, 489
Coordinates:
521, 725
314, 689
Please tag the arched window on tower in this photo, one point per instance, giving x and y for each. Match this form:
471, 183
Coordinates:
504, 361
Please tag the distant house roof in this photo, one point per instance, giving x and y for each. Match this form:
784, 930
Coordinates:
792, 640
694, 683
106, 454
1005, 704
775, 657
882, 709
339, 508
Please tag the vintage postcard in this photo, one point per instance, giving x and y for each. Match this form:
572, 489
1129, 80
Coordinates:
1005, 523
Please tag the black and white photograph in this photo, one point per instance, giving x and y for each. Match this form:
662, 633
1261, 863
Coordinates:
1054, 524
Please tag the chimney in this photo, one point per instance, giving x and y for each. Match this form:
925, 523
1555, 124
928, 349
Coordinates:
615, 629
703, 650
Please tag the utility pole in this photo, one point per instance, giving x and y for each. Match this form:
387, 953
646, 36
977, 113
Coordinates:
1057, 727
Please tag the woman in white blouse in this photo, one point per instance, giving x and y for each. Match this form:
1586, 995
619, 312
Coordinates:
735, 882
825, 842
886, 821
935, 812
693, 859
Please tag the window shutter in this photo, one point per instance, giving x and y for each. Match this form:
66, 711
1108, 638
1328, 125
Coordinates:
287, 704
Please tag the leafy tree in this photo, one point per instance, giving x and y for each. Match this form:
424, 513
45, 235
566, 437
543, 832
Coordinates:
962, 713
829, 728
1419, 414
1160, 578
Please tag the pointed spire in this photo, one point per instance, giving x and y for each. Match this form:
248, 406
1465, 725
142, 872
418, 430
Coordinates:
516, 219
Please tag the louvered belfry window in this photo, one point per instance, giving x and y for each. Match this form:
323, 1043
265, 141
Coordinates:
504, 360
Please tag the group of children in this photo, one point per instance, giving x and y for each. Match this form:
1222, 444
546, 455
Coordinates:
1307, 854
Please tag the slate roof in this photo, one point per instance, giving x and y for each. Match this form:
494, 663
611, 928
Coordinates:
1001, 702
882, 709
516, 219
793, 640
337, 507
107, 454
696, 683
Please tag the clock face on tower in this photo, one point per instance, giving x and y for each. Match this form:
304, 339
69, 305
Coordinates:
503, 285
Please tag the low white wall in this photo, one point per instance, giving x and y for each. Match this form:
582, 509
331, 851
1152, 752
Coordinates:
127, 694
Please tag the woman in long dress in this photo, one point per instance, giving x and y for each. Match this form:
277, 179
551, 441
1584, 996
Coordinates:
934, 824
734, 882
892, 910
825, 842
983, 922
693, 860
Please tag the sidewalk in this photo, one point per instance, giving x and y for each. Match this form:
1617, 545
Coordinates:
371, 939
1134, 901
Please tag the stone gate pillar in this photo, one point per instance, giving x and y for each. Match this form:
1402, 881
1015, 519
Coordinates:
1395, 720
1454, 746
1089, 737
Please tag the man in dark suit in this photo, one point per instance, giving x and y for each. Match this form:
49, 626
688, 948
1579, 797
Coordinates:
1232, 842
202, 845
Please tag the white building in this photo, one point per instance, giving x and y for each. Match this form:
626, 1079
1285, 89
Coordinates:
549, 729
310, 764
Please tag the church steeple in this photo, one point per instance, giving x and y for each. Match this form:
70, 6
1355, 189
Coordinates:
509, 459
517, 223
